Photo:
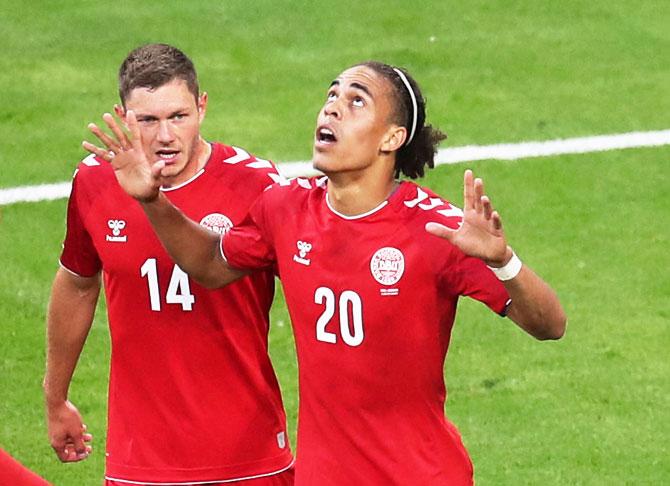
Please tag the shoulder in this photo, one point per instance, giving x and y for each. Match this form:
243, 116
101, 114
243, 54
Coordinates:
422, 205
299, 187
236, 163
93, 173
292, 196
94, 166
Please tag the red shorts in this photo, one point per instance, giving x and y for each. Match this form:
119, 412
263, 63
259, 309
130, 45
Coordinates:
284, 478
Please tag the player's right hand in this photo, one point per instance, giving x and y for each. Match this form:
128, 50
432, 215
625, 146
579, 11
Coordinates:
139, 178
481, 233
67, 433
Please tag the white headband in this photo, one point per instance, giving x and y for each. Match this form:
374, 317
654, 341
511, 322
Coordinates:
414, 107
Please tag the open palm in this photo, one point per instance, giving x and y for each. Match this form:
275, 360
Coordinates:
480, 234
136, 175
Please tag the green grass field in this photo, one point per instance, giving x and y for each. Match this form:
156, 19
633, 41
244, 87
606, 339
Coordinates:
593, 408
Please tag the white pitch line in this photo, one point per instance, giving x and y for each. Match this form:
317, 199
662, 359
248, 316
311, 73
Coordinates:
41, 192
451, 155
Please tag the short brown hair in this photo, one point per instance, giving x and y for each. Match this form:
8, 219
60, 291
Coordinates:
154, 65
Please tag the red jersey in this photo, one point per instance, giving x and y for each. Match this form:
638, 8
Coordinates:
372, 300
13, 472
192, 393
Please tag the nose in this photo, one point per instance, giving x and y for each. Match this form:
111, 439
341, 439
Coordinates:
333, 108
165, 132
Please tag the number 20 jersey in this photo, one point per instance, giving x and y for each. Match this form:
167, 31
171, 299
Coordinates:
372, 301
192, 393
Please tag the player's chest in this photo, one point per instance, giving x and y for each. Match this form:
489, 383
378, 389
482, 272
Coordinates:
354, 286
123, 236
381, 263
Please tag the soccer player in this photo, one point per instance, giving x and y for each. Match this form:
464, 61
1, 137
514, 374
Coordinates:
371, 290
193, 397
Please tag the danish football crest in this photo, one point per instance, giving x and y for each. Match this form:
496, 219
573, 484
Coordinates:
217, 222
387, 265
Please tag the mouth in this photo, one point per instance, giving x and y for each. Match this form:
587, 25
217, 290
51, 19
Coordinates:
325, 136
167, 156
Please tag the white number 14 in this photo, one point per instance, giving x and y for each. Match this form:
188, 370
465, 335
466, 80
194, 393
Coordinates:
178, 292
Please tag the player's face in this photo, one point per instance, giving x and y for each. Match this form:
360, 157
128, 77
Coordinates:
169, 118
353, 126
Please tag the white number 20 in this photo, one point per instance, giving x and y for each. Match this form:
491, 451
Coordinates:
349, 305
178, 292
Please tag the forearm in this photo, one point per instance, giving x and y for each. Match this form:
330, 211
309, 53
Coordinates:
194, 248
535, 306
69, 317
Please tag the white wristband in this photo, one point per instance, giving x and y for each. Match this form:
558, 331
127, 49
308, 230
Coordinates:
510, 270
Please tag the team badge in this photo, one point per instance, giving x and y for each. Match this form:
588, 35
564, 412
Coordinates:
117, 226
387, 265
217, 222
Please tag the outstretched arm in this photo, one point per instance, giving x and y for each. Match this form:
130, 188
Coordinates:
535, 306
194, 248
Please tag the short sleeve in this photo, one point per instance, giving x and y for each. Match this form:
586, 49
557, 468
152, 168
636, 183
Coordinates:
79, 255
471, 277
248, 245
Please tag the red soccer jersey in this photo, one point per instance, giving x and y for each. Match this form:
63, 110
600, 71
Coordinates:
13, 472
372, 300
192, 393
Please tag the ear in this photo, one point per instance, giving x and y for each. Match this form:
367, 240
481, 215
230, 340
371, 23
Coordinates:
202, 106
393, 139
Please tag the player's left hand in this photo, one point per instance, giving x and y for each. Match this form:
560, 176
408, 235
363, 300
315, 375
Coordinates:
68, 435
481, 234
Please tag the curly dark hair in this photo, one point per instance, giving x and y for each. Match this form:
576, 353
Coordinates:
412, 157
154, 65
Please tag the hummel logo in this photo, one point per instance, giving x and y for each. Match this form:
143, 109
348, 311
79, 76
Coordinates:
116, 225
303, 249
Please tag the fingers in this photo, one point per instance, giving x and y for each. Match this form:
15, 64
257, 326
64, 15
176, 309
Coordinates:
114, 144
157, 168
490, 214
475, 198
468, 191
486, 206
108, 141
497, 222
116, 130
479, 193
440, 230
70, 452
133, 126
74, 448
81, 447
108, 155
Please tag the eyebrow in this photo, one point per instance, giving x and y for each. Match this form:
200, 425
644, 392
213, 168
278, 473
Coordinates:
359, 86
148, 116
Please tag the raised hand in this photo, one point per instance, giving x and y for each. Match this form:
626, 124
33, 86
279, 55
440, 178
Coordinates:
481, 234
139, 177
67, 433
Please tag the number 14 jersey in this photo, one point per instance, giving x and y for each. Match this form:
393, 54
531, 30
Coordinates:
192, 393
372, 300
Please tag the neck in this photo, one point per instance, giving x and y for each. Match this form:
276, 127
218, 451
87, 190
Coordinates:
202, 153
353, 196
